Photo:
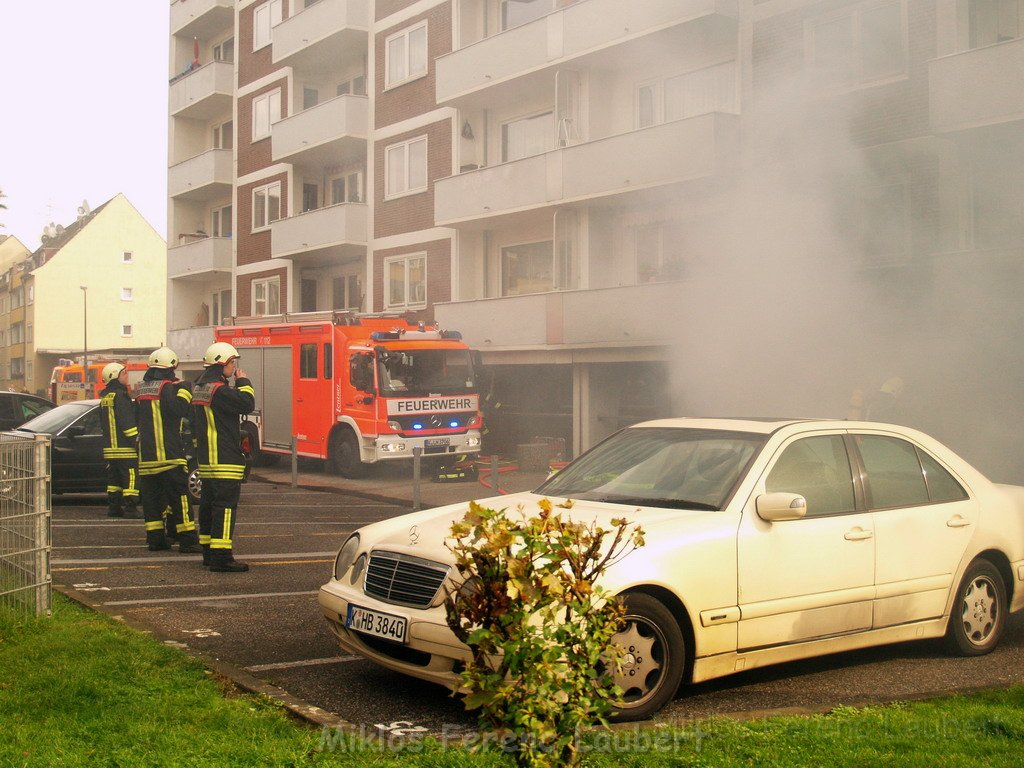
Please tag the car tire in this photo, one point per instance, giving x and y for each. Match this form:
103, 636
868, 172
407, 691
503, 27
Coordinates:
343, 455
654, 661
257, 457
195, 486
978, 617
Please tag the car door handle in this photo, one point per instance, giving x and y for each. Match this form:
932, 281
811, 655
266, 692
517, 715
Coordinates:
858, 534
958, 522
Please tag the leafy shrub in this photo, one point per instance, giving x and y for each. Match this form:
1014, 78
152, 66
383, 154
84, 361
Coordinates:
537, 625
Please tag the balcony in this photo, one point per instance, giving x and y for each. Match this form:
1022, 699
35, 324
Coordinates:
322, 37
198, 258
683, 150
203, 177
977, 88
190, 343
606, 317
204, 93
326, 134
328, 235
587, 32
201, 18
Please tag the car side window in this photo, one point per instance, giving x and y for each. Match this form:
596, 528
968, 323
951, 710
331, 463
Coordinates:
32, 408
91, 423
819, 470
894, 474
942, 486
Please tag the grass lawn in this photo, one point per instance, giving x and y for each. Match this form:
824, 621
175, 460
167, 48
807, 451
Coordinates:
82, 690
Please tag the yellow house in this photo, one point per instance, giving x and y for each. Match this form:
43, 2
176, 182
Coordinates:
98, 286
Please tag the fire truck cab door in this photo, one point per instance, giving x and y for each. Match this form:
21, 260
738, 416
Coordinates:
312, 396
359, 395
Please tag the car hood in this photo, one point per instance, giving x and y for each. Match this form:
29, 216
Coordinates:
423, 534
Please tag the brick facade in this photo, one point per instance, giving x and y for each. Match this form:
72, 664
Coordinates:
417, 96
253, 155
416, 211
439, 274
243, 293
255, 246
252, 65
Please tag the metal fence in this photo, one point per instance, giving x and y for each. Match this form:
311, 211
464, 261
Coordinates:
25, 586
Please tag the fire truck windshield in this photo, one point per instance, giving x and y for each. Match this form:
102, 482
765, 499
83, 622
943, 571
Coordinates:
424, 372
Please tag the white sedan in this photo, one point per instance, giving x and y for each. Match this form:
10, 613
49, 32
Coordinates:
767, 541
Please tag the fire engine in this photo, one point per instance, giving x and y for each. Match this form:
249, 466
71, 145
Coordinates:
66, 383
357, 389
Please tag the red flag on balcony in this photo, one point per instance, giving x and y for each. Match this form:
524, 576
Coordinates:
195, 51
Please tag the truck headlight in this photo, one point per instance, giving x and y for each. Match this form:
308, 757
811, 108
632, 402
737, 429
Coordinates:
472, 442
346, 555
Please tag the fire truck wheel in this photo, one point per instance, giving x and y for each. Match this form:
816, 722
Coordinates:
343, 455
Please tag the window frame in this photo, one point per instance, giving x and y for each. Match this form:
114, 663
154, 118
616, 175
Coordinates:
524, 119
257, 42
344, 178
126, 294
855, 13
219, 216
265, 282
406, 259
405, 34
265, 189
272, 97
127, 257
502, 284
405, 146
126, 330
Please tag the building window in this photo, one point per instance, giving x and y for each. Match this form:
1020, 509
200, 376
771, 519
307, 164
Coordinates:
225, 51
17, 367
264, 19
646, 103
406, 55
126, 294
223, 135
995, 21
126, 330
347, 188
712, 89
28, 333
266, 205
406, 167
356, 86
17, 333
527, 268
310, 197
516, 12
266, 110
30, 293
346, 292
266, 296
221, 221
527, 136
127, 257
17, 298
220, 301
659, 251
406, 282
858, 46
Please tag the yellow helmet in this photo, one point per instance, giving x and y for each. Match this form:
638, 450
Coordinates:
220, 353
111, 371
163, 358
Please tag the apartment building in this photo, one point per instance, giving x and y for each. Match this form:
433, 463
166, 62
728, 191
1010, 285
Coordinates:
561, 179
13, 253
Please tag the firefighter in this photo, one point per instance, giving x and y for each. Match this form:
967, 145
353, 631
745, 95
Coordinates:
119, 438
217, 407
161, 402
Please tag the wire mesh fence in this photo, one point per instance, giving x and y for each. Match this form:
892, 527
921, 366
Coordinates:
25, 586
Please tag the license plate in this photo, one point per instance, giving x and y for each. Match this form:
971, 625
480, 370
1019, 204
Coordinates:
432, 442
376, 623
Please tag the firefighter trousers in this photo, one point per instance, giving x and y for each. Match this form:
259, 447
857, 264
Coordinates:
122, 490
167, 493
217, 511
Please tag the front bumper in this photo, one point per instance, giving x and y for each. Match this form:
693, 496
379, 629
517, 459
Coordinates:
391, 447
438, 653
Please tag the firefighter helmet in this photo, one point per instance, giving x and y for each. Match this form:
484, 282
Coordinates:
220, 353
111, 371
163, 358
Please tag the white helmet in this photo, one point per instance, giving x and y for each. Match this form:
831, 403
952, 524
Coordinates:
220, 353
111, 371
163, 358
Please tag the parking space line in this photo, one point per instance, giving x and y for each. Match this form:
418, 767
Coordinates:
100, 568
211, 598
303, 663
184, 558
288, 562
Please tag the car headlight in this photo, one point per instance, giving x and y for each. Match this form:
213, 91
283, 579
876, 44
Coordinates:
346, 555
357, 569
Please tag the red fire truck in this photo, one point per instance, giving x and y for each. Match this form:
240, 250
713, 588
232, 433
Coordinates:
357, 389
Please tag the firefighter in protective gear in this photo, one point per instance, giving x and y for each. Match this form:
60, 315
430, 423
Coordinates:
119, 435
161, 402
217, 407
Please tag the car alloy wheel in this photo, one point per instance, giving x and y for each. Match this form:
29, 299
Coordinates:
195, 486
978, 618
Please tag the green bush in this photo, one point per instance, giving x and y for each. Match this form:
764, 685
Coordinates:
537, 625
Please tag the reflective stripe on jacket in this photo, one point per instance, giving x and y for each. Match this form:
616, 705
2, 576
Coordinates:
216, 410
117, 422
160, 405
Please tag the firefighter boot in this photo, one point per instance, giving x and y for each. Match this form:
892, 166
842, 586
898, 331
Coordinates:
188, 543
207, 557
222, 561
156, 541
132, 511
114, 505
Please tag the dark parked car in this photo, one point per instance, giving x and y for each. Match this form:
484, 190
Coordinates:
77, 464
18, 407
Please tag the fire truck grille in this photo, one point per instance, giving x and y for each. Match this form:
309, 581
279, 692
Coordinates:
403, 579
433, 421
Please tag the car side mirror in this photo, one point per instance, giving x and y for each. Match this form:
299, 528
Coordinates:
779, 506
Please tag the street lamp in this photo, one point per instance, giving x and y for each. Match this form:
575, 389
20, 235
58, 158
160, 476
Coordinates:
85, 338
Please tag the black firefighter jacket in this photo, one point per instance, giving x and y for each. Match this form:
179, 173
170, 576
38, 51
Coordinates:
117, 422
161, 402
217, 407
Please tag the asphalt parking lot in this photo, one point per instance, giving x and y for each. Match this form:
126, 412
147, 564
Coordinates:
267, 622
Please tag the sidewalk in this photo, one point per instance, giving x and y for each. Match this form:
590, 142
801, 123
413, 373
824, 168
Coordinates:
393, 482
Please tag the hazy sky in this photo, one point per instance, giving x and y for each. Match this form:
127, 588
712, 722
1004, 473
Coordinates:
84, 110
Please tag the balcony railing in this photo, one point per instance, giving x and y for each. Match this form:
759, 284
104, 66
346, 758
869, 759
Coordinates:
201, 18
601, 317
331, 234
325, 134
203, 177
319, 37
203, 93
583, 28
197, 258
693, 148
977, 88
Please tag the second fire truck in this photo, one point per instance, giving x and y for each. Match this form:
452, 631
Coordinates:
356, 390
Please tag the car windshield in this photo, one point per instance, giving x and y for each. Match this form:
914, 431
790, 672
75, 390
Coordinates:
424, 372
52, 422
659, 467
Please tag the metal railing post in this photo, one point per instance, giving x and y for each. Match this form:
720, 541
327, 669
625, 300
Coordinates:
417, 454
